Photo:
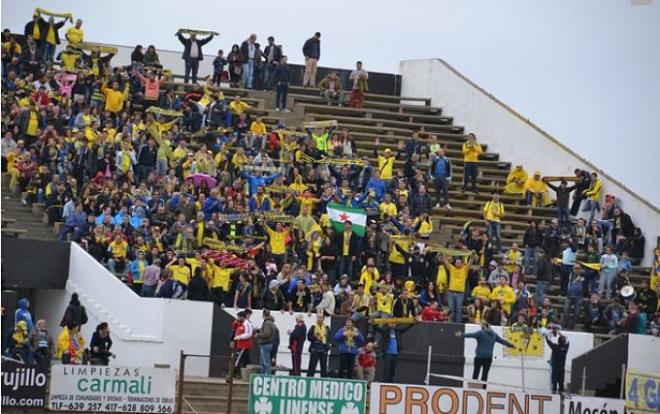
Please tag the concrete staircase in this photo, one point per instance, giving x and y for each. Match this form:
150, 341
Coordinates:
26, 217
207, 395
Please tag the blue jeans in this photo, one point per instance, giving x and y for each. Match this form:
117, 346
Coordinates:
269, 72
605, 282
470, 172
248, 73
495, 230
441, 185
564, 214
148, 291
606, 226
591, 206
541, 286
66, 230
455, 300
346, 266
531, 260
49, 52
264, 361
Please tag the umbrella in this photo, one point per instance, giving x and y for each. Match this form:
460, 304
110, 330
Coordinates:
198, 178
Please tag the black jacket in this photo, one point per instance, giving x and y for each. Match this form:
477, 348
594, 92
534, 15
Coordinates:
532, 238
626, 227
282, 74
148, 156
385, 337
75, 314
277, 53
273, 301
312, 48
353, 244
43, 29
563, 194
297, 338
187, 43
197, 289
421, 203
245, 52
559, 352
398, 308
544, 270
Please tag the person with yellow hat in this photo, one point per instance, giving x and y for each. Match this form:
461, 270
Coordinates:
515, 181
17, 344
536, 191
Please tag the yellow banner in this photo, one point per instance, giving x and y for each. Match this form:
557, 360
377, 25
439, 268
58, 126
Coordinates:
53, 14
642, 390
398, 321
320, 124
199, 32
99, 48
531, 344
163, 112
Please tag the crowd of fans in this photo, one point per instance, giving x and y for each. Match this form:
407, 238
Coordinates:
191, 195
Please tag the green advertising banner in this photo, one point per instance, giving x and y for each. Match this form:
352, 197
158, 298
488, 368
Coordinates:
278, 394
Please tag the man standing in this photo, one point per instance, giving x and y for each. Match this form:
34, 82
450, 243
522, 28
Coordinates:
441, 172
242, 340
296, 341
348, 246
471, 152
282, 78
558, 362
493, 214
250, 56
483, 358
51, 38
272, 54
592, 197
349, 339
192, 54
458, 273
574, 296
563, 200
75, 34
312, 52
318, 347
265, 337
360, 79
390, 347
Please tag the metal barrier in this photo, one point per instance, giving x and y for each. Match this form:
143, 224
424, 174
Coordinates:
230, 373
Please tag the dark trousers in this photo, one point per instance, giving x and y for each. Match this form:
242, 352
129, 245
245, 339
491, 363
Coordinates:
483, 365
566, 271
346, 266
296, 360
346, 364
219, 296
320, 358
557, 377
470, 172
575, 207
282, 92
389, 367
192, 65
441, 185
242, 359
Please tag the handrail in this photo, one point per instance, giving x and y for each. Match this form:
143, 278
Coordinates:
548, 136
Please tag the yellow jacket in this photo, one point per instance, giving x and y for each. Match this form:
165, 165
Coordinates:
63, 342
114, 100
505, 295
368, 278
387, 208
515, 181
594, 191
258, 128
490, 209
471, 152
385, 165
535, 186
277, 240
481, 292
384, 302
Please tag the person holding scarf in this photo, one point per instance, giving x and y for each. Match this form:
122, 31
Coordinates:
318, 347
350, 340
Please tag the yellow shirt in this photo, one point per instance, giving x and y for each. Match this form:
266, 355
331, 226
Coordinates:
179, 153
396, 256
481, 292
119, 250
384, 302
385, 165
221, 277
74, 35
441, 279
457, 277
387, 208
346, 248
277, 240
494, 211
368, 278
513, 180
36, 32
298, 187
33, 124
258, 128
50, 37
425, 228
535, 186
471, 152
238, 107
505, 295
114, 100
595, 190
181, 274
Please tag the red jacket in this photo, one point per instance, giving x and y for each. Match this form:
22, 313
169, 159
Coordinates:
432, 315
242, 335
367, 359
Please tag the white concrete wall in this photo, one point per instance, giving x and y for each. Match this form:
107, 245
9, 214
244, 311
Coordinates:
644, 353
537, 371
145, 331
515, 138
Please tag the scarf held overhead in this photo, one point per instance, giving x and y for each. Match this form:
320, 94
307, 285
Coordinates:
50, 13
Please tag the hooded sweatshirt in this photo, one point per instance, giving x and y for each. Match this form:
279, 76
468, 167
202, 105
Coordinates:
23, 314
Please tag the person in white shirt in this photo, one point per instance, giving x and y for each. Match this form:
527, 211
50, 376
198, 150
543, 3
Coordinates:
327, 303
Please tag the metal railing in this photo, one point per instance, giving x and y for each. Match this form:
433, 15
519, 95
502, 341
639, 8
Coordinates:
230, 360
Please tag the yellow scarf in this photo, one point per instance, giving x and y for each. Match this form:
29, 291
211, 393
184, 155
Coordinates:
319, 332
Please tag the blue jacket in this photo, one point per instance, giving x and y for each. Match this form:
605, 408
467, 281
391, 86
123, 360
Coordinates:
23, 314
344, 348
575, 289
265, 206
442, 168
259, 181
76, 219
379, 186
486, 339
211, 205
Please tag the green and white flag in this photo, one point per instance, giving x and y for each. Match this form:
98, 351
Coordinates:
339, 214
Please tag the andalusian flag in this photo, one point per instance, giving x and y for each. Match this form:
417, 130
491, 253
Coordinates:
339, 214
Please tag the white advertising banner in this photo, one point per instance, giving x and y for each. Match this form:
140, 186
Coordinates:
421, 399
112, 389
587, 405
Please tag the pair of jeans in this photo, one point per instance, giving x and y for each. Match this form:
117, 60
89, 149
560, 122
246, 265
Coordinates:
192, 65
269, 72
495, 230
389, 367
346, 266
564, 215
66, 230
320, 358
49, 52
331, 97
591, 206
346, 364
264, 360
606, 227
557, 379
281, 95
148, 291
481, 365
441, 185
248, 73
531, 260
541, 286
566, 272
455, 300
605, 282
470, 172
571, 311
